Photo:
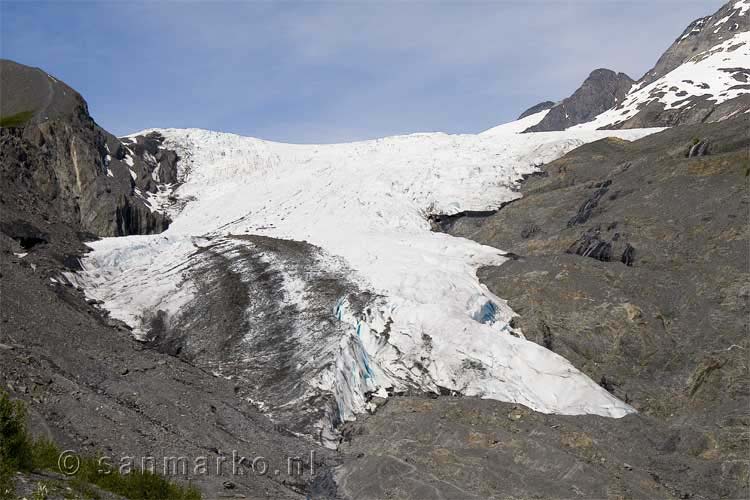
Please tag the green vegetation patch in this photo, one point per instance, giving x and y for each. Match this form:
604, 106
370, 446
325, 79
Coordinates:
20, 453
17, 120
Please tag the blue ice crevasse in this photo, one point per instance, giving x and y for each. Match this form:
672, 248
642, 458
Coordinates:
487, 313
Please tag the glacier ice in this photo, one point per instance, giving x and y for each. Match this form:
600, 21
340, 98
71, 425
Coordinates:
430, 324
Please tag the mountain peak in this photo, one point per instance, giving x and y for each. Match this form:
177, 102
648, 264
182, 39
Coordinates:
605, 73
602, 90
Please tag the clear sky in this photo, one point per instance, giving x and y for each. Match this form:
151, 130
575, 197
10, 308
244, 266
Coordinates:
334, 71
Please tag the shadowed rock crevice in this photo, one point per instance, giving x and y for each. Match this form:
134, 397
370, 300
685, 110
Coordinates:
584, 213
27, 235
595, 243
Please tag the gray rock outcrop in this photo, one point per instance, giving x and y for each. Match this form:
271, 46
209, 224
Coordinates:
536, 109
602, 90
55, 161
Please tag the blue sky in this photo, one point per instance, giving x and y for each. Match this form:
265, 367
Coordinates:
334, 71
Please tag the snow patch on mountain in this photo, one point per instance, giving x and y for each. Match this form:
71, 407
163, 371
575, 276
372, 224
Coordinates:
518, 126
743, 5
697, 28
718, 74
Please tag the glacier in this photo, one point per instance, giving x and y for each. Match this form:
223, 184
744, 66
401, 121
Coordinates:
422, 320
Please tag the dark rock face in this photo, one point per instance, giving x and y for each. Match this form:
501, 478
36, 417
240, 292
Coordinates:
591, 245
602, 90
700, 148
637, 271
588, 206
536, 109
157, 164
132, 217
60, 164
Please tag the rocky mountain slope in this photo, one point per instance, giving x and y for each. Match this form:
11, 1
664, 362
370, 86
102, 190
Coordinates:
632, 262
702, 77
57, 162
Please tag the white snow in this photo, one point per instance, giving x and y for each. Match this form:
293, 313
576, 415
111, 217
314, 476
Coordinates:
721, 21
702, 75
517, 126
367, 203
160, 200
696, 29
743, 5
136, 293
107, 159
